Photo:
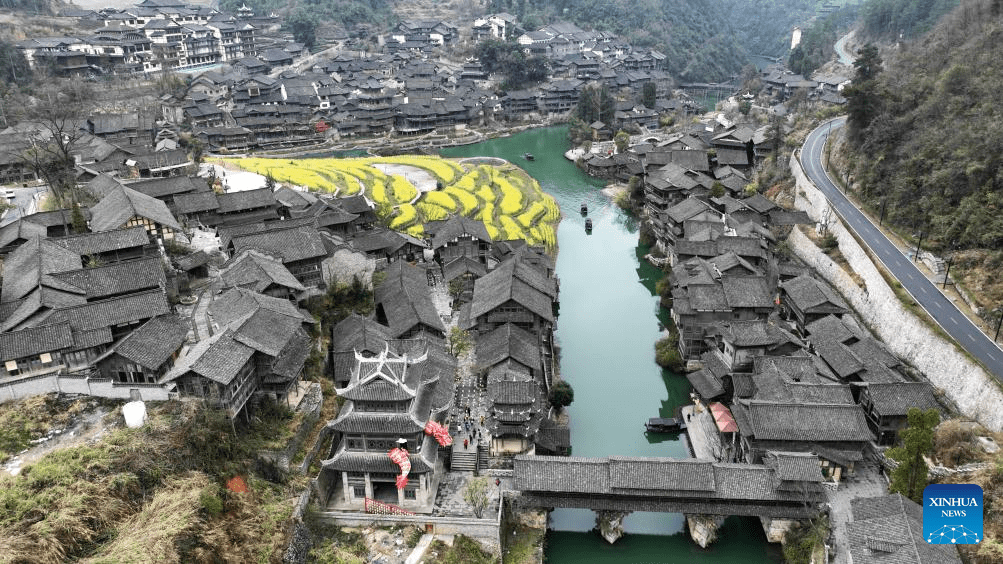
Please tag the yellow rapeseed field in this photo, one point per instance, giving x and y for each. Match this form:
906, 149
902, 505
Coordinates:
508, 201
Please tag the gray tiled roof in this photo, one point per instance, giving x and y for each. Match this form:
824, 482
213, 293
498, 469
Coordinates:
218, 358
363, 422
26, 268
20, 230
348, 461
289, 363
508, 341
245, 200
897, 398
705, 383
661, 474
457, 226
838, 356
290, 245
888, 530
117, 278
406, 299
747, 291
122, 204
236, 304
810, 295
114, 311
96, 243
794, 466
251, 269
831, 328
153, 343
463, 265
517, 281
377, 389
195, 202
160, 187
805, 422
34, 341
657, 477
358, 333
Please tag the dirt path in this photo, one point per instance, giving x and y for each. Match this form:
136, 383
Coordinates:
90, 426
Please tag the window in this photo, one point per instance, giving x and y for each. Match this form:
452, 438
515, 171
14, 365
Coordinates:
359, 491
410, 494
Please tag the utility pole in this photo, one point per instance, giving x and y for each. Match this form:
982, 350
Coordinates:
918, 245
998, 323
948, 272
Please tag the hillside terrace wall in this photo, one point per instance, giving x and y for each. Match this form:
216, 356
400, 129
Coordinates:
963, 381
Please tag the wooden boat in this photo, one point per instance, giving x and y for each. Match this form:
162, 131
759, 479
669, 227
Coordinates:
664, 425
528, 156
588, 224
585, 209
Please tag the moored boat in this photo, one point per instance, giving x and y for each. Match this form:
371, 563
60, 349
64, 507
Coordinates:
664, 425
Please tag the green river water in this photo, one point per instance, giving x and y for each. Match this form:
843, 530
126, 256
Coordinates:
608, 324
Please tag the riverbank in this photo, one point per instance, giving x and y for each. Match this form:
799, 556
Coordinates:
609, 321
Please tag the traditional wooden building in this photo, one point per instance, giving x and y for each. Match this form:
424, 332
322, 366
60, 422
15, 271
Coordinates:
390, 399
887, 406
806, 300
461, 237
124, 207
404, 304
147, 353
514, 292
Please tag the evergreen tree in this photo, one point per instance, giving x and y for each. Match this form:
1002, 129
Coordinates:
909, 478
648, 95
863, 98
561, 394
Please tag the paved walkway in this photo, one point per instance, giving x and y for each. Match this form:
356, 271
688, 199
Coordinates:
449, 498
867, 482
702, 433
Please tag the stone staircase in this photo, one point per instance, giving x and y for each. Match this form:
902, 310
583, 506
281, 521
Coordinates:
463, 460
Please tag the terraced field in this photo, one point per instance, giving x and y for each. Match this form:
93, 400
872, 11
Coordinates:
505, 198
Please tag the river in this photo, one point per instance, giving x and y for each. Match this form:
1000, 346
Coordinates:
608, 324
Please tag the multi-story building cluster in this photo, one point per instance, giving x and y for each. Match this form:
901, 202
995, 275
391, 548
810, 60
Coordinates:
775, 354
152, 36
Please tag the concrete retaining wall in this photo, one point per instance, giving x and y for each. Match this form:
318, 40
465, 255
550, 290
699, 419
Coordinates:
68, 384
963, 381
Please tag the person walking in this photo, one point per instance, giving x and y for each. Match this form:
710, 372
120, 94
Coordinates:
465, 444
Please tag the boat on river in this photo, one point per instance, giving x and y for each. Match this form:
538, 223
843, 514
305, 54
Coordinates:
585, 209
664, 425
588, 224
528, 156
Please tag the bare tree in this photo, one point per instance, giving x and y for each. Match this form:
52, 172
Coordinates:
54, 118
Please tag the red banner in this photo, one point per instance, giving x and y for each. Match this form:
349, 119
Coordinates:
440, 433
399, 456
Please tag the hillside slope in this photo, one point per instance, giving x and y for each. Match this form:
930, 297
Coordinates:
932, 149
704, 40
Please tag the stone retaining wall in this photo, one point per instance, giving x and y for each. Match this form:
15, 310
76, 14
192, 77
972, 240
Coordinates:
485, 531
963, 381
69, 384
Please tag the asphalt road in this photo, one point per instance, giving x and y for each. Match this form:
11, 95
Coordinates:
922, 290
23, 200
